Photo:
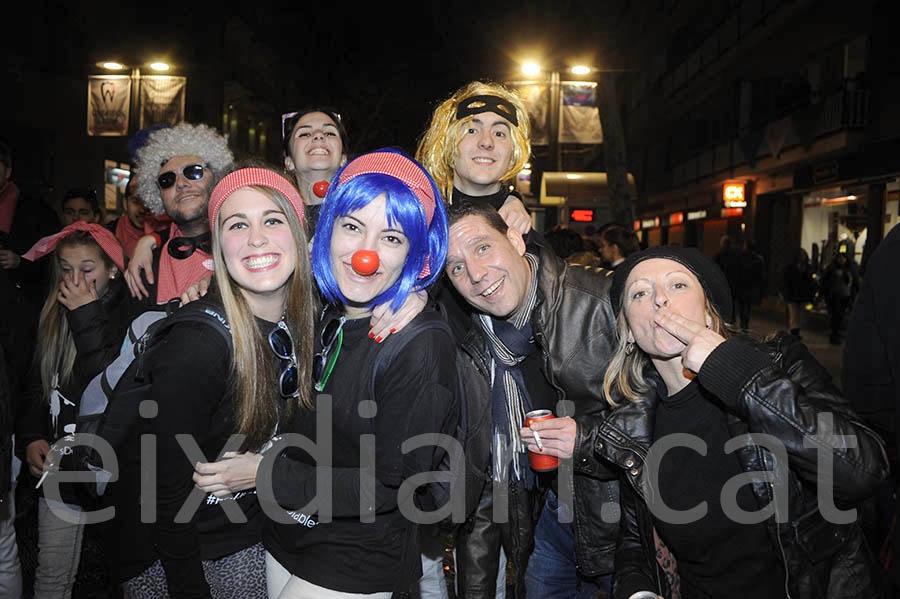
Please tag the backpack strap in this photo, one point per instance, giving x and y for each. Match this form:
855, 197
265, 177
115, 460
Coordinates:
201, 310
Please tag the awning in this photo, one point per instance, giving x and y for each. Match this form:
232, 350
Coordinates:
578, 189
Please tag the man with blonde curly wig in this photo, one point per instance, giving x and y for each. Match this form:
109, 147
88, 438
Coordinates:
176, 169
477, 143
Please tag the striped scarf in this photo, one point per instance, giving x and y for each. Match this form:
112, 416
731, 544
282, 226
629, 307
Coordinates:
513, 389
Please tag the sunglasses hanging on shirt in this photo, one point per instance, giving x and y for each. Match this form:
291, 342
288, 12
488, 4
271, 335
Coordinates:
282, 345
325, 359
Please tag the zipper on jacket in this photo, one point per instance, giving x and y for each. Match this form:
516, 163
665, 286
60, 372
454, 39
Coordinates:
771, 485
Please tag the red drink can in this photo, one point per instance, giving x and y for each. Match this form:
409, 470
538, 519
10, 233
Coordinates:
539, 461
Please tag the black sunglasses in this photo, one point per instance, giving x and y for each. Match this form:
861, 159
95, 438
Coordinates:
325, 359
193, 172
283, 346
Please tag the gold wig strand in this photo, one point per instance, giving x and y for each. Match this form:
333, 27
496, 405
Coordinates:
439, 146
254, 374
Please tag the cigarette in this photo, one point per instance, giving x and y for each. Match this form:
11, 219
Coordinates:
41, 481
537, 439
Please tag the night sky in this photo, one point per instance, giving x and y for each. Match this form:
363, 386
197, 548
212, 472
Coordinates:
384, 67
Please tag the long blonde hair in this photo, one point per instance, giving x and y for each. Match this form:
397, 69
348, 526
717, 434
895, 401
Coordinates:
439, 146
56, 346
254, 374
625, 376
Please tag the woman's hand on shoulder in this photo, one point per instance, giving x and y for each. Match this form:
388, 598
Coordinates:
699, 340
234, 472
515, 215
385, 321
196, 291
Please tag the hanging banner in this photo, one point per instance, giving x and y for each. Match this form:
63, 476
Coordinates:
579, 120
109, 102
537, 102
162, 100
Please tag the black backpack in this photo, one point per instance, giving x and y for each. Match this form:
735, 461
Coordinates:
111, 403
474, 418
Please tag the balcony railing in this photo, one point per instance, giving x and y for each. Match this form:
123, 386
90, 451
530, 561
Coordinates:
841, 111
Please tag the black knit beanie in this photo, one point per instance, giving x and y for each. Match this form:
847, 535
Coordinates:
710, 276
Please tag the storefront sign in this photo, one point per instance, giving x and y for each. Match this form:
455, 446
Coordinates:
825, 172
648, 223
637, 225
583, 216
696, 215
733, 195
676, 218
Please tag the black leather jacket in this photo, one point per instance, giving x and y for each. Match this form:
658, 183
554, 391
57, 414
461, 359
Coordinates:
777, 389
574, 326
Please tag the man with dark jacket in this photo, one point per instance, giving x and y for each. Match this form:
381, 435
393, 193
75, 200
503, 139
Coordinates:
543, 333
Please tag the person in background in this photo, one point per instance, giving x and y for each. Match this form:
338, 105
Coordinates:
798, 288
129, 228
9, 192
476, 144
80, 204
315, 147
176, 169
840, 284
615, 244
82, 324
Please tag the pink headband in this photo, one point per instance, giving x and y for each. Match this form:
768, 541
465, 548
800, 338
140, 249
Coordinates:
399, 167
103, 236
253, 176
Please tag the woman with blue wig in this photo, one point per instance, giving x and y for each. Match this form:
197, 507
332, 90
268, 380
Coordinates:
381, 235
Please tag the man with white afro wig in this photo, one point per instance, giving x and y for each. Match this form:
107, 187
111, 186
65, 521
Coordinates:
176, 170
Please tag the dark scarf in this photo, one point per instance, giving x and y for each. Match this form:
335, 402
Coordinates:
510, 343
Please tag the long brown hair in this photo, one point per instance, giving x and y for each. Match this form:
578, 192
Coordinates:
253, 372
56, 347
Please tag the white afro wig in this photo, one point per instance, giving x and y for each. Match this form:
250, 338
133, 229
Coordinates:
181, 140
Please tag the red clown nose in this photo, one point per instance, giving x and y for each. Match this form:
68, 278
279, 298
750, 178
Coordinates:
320, 189
365, 262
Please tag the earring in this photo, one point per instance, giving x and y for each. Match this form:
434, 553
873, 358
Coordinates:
629, 349
113, 273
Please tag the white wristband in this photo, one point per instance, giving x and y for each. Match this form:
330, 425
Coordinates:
645, 595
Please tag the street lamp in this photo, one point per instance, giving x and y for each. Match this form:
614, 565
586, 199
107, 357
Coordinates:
532, 69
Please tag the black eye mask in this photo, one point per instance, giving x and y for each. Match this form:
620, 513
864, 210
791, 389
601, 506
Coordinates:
495, 104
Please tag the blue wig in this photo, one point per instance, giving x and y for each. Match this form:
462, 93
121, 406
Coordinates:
403, 207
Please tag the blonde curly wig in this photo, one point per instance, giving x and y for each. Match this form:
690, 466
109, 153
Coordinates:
439, 146
181, 140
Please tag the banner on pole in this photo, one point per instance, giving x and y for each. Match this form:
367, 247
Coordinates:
109, 102
162, 100
579, 120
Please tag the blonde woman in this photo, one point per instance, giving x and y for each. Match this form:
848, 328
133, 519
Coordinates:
81, 327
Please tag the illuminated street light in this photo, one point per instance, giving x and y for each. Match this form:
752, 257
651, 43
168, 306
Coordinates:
112, 66
581, 70
531, 68
159, 66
